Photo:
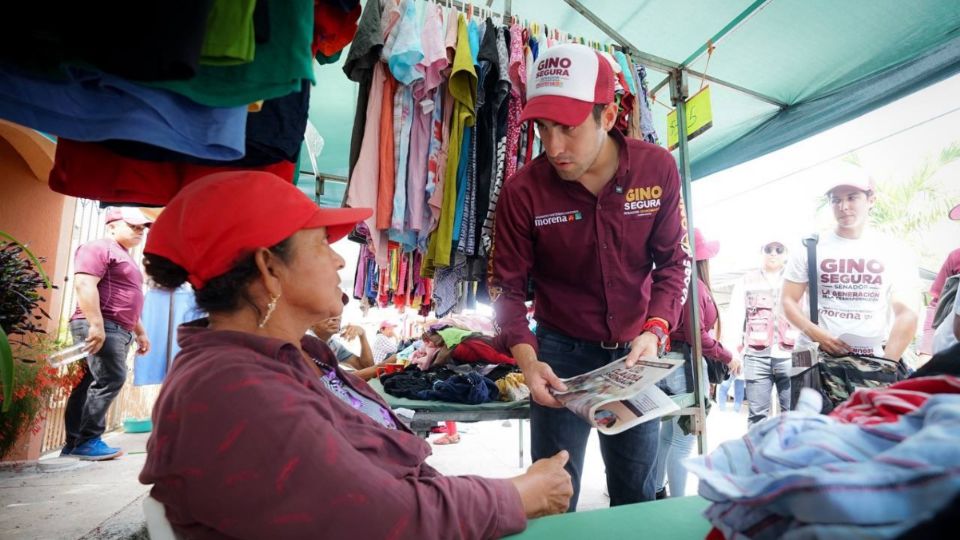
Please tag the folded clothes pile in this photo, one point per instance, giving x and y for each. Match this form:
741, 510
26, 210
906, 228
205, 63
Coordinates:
882, 463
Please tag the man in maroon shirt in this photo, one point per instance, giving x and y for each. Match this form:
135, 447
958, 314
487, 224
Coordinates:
586, 222
109, 289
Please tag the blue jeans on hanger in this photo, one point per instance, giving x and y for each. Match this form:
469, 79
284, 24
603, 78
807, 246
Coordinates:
629, 456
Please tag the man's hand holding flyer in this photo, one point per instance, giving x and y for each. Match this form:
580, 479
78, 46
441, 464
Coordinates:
614, 398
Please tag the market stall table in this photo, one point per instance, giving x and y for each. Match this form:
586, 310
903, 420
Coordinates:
680, 518
427, 413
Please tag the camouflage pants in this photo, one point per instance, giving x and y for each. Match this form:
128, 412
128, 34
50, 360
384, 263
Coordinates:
837, 378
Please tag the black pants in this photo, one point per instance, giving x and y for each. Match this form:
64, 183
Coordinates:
86, 414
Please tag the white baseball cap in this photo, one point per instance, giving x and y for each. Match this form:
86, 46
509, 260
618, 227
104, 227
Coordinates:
131, 215
565, 84
848, 175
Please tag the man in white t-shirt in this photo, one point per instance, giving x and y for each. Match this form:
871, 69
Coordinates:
866, 283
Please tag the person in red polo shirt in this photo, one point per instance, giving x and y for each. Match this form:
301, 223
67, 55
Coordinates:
588, 221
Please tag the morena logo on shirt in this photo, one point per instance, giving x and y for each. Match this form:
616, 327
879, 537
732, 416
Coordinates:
853, 271
557, 217
642, 200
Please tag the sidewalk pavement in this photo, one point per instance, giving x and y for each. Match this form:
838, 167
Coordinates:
69, 499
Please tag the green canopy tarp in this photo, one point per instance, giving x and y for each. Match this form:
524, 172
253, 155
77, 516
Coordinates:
801, 66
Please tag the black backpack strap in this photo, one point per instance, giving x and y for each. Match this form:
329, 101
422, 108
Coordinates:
811, 243
946, 299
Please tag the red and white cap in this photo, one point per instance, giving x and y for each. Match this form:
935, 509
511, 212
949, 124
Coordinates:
565, 83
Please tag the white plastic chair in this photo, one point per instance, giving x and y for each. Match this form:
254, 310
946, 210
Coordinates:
157, 525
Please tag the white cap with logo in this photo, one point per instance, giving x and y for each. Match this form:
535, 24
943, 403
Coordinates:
565, 84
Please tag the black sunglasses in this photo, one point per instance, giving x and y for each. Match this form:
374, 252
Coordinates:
771, 249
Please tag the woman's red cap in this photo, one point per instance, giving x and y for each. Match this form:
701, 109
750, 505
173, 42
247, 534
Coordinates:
211, 224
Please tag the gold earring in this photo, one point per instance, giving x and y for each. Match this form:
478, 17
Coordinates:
272, 305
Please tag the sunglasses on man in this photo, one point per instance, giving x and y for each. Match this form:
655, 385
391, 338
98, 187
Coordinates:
770, 250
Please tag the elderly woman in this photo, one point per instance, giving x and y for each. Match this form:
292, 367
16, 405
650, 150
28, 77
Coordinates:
257, 431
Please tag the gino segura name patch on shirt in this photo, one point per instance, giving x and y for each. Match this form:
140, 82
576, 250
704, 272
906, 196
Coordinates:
642, 201
557, 218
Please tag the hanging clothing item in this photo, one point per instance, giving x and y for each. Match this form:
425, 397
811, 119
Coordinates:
646, 115
91, 171
388, 158
427, 112
463, 88
365, 261
334, 27
423, 108
403, 108
518, 78
229, 38
502, 110
439, 166
446, 285
405, 56
467, 205
434, 52
278, 68
406, 50
91, 106
363, 189
626, 70
151, 40
465, 151
273, 134
161, 325
438, 157
491, 91
363, 55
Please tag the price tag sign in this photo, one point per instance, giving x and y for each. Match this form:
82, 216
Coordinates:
699, 118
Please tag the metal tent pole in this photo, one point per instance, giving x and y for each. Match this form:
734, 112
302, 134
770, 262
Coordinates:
678, 95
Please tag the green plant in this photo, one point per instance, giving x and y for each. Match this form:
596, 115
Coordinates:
21, 278
36, 384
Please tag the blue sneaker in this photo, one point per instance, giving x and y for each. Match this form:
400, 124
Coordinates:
67, 451
95, 450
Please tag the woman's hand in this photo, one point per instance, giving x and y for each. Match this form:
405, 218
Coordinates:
545, 488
